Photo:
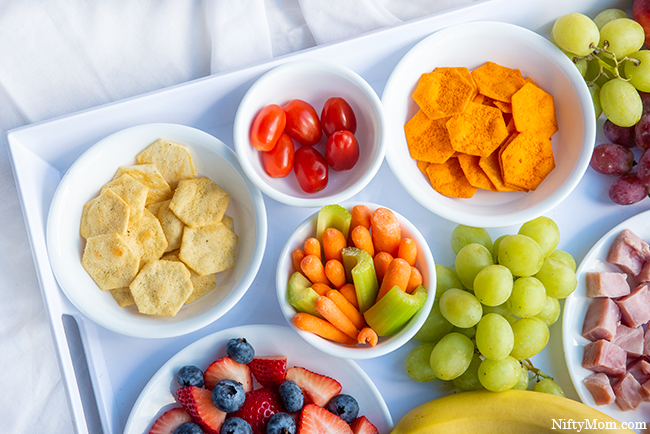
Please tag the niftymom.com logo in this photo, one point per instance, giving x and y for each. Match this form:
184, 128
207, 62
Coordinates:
591, 424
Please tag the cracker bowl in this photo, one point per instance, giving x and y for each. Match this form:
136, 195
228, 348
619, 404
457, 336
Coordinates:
96, 167
313, 82
386, 344
471, 45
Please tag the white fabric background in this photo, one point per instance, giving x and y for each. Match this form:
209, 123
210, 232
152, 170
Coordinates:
61, 56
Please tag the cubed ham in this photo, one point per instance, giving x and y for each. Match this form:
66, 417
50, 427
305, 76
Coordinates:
635, 307
601, 319
606, 357
644, 274
646, 388
606, 284
600, 388
629, 393
646, 343
628, 252
637, 368
630, 339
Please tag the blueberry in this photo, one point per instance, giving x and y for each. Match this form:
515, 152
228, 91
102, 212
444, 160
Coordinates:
344, 406
236, 425
291, 396
240, 350
281, 423
228, 395
188, 428
190, 375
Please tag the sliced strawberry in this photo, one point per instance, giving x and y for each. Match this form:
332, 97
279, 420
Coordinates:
362, 425
169, 420
269, 370
227, 369
198, 403
317, 420
318, 389
258, 408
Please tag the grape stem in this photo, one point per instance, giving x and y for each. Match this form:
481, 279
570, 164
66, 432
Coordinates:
602, 65
538, 373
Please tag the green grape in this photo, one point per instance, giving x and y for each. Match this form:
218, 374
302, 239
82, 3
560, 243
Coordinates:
495, 248
494, 337
527, 298
469, 332
463, 235
531, 336
608, 15
579, 62
551, 311
557, 277
521, 254
639, 75
621, 102
499, 375
544, 231
576, 33
501, 309
417, 365
493, 284
594, 91
470, 260
451, 356
547, 385
434, 327
469, 381
564, 257
625, 36
445, 278
522, 384
460, 308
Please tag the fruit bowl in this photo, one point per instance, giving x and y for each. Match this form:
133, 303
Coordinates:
314, 82
385, 345
471, 45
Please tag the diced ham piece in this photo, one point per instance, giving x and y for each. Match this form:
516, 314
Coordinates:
628, 252
630, 339
629, 393
635, 307
606, 284
637, 368
645, 367
646, 388
644, 274
646, 342
601, 319
606, 357
600, 388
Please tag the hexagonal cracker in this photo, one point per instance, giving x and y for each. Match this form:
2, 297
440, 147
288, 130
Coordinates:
110, 261
105, 214
199, 202
161, 288
133, 192
172, 159
209, 249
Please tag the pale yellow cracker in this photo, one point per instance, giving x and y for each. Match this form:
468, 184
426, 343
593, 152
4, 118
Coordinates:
123, 296
199, 202
161, 288
133, 192
209, 249
149, 175
146, 236
202, 284
107, 213
110, 261
172, 226
154, 207
229, 222
172, 159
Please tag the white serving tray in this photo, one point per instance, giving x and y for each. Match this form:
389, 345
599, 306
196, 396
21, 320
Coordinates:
118, 367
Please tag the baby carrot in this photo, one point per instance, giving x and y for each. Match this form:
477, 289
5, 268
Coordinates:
367, 336
335, 272
321, 288
347, 308
382, 259
362, 239
397, 274
333, 314
386, 231
350, 294
312, 247
415, 280
322, 328
313, 269
408, 251
333, 243
361, 216
296, 257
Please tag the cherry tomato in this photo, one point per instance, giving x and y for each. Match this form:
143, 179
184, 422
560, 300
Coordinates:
337, 115
302, 122
342, 150
278, 162
267, 127
311, 169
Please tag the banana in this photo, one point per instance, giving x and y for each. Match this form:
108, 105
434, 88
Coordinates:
512, 411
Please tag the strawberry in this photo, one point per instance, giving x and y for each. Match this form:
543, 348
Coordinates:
318, 389
227, 369
169, 420
198, 403
317, 420
362, 425
258, 408
269, 371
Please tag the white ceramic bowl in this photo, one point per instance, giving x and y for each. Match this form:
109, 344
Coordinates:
96, 167
386, 344
314, 82
471, 45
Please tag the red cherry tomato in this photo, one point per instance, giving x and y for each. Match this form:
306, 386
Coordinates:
278, 162
337, 115
342, 150
311, 169
302, 122
267, 127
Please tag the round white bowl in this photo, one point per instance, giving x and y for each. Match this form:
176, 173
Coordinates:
314, 82
95, 168
471, 45
386, 344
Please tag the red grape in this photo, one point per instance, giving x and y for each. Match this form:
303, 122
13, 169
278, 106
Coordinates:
619, 135
642, 132
643, 168
627, 189
645, 99
610, 159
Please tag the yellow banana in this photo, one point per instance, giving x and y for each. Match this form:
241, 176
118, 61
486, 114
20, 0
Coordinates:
513, 411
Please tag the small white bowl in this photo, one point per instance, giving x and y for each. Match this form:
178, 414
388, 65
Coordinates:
95, 168
471, 45
386, 344
314, 82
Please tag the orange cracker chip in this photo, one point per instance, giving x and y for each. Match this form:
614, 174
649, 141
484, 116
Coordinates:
475, 175
479, 130
449, 179
527, 161
427, 139
505, 107
496, 81
490, 166
479, 98
422, 165
444, 92
530, 80
534, 111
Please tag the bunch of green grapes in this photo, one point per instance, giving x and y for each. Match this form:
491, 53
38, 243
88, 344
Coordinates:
493, 309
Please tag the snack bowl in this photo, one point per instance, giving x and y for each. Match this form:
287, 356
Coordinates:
471, 45
385, 345
314, 82
83, 181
